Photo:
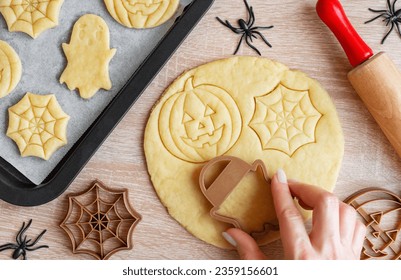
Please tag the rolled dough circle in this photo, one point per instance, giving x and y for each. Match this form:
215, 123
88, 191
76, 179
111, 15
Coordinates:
247, 107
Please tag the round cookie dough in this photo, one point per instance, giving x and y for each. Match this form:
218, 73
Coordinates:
247, 107
141, 13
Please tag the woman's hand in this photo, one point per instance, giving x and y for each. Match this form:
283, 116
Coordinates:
336, 232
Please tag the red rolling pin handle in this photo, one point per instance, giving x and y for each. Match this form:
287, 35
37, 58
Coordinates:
332, 14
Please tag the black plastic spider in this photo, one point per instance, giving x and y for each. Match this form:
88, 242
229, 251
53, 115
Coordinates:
22, 244
247, 29
391, 16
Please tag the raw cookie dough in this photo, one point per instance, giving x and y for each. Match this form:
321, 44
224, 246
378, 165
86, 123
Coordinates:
141, 13
38, 125
88, 55
31, 16
247, 107
10, 69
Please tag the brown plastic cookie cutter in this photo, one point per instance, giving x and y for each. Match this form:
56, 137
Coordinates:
217, 192
380, 210
100, 221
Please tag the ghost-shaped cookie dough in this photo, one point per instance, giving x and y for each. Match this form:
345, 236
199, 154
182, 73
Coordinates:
88, 55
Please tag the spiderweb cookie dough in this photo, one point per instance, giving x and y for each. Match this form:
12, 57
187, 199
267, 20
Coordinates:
10, 69
38, 125
31, 16
88, 55
141, 13
247, 107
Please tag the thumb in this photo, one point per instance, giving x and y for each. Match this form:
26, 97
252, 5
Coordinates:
246, 246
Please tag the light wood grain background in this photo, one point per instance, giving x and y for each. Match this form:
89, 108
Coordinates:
300, 41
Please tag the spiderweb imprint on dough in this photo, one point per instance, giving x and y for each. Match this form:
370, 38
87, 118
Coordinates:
100, 221
285, 120
38, 125
31, 16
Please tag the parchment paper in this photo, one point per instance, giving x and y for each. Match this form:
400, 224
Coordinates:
43, 61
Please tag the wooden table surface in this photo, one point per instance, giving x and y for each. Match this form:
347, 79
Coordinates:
300, 41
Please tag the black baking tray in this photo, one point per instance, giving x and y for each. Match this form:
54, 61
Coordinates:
16, 189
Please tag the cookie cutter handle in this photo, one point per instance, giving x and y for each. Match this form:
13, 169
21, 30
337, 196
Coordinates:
226, 181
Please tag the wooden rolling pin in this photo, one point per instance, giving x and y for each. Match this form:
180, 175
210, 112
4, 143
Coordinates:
375, 77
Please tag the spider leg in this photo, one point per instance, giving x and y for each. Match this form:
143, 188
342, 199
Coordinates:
398, 28
261, 27
388, 21
388, 33
222, 22
8, 246
37, 238
18, 238
249, 10
252, 47
33, 249
392, 7
247, 5
251, 15
251, 20
250, 36
239, 44
373, 19
24, 255
236, 30
377, 11
228, 25
263, 38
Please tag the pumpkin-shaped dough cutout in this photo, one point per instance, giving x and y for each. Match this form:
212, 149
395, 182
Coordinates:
141, 13
10, 69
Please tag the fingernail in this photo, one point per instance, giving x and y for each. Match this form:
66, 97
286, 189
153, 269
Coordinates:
229, 239
282, 178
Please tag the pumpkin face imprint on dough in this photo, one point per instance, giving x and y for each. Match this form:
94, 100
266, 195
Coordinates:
380, 211
144, 7
141, 13
10, 69
285, 120
199, 123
